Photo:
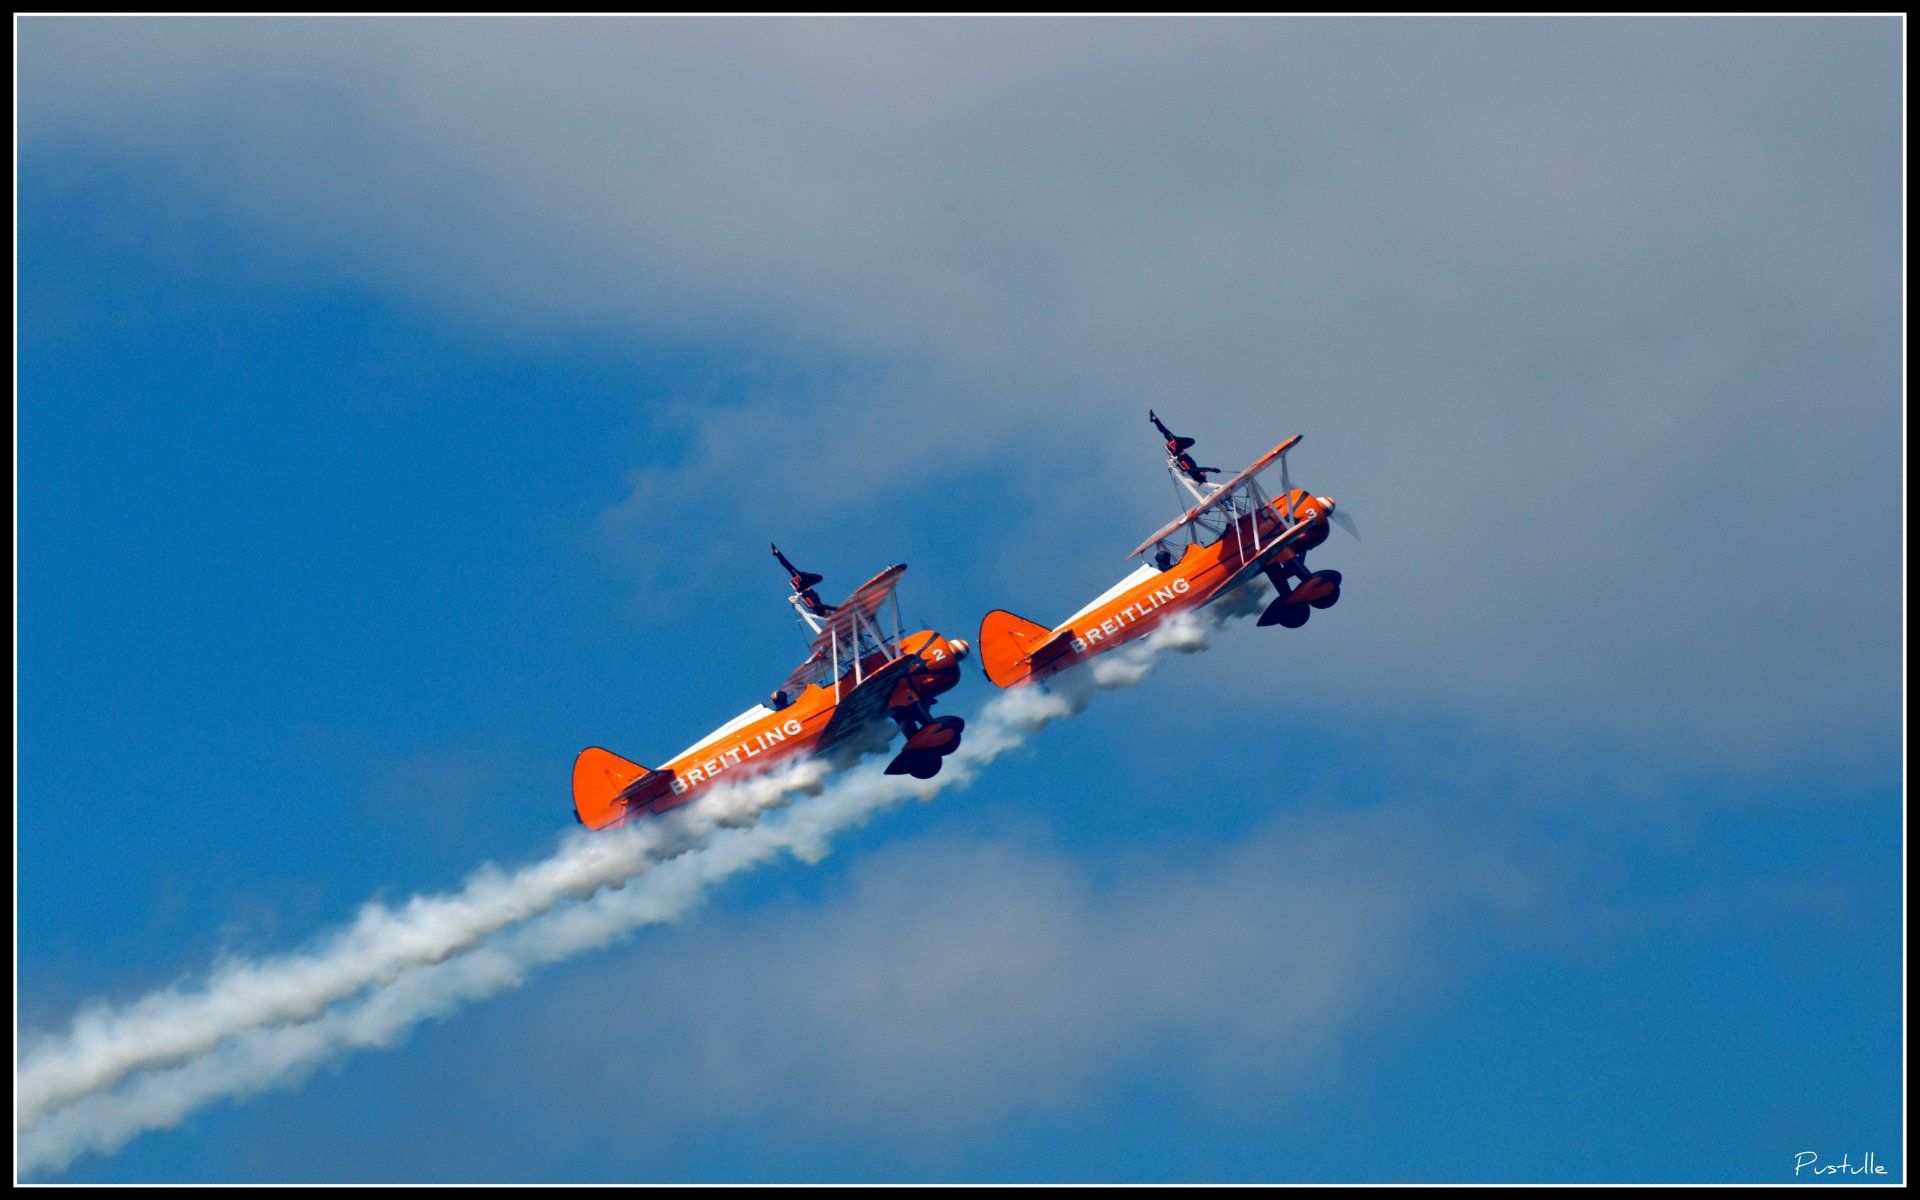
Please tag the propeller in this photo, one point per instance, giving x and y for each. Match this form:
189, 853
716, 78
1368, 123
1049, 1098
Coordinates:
1341, 517
1344, 520
1338, 515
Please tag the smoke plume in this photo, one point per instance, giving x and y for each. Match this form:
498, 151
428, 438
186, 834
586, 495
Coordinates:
257, 1025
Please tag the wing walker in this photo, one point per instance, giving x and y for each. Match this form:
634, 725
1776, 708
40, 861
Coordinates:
860, 667
1232, 532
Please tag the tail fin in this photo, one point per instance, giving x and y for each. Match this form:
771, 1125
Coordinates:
599, 780
1007, 644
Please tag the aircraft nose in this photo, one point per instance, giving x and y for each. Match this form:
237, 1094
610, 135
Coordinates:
960, 648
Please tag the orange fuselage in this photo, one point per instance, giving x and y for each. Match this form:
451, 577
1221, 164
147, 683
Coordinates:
602, 781
1198, 577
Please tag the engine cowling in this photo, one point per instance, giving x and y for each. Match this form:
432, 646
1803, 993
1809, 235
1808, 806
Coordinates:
940, 662
1301, 505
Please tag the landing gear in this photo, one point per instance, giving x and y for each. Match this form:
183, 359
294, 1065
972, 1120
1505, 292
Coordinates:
1285, 614
1325, 596
1290, 610
921, 764
940, 737
928, 741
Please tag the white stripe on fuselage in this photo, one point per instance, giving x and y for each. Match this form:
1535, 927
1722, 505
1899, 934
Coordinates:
1145, 572
740, 752
1132, 614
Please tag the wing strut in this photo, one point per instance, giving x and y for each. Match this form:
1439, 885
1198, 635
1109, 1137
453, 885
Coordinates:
1227, 497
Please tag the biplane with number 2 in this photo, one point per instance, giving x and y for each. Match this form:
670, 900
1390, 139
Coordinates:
1232, 532
859, 668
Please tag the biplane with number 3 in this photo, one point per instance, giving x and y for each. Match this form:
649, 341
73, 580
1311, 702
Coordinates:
859, 668
1233, 532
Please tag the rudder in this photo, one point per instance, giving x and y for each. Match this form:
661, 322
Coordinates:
1007, 644
599, 776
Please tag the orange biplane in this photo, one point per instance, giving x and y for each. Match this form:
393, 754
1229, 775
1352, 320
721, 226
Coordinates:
1233, 532
857, 669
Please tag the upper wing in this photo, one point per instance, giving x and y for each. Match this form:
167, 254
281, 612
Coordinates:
841, 629
1226, 489
808, 672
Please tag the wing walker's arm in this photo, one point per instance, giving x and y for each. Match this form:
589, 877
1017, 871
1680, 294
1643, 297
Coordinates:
803, 582
1177, 451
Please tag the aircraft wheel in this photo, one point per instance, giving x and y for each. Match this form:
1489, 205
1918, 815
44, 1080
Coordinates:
1286, 614
921, 764
941, 737
1332, 597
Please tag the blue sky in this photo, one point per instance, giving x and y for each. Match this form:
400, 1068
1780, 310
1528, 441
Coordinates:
404, 405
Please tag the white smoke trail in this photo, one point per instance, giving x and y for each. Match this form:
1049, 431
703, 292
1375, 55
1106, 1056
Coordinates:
106, 1045
247, 1059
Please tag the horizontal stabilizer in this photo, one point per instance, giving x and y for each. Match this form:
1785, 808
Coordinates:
606, 787
1010, 646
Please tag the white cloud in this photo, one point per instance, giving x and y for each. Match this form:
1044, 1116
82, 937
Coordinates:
1595, 324
953, 987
